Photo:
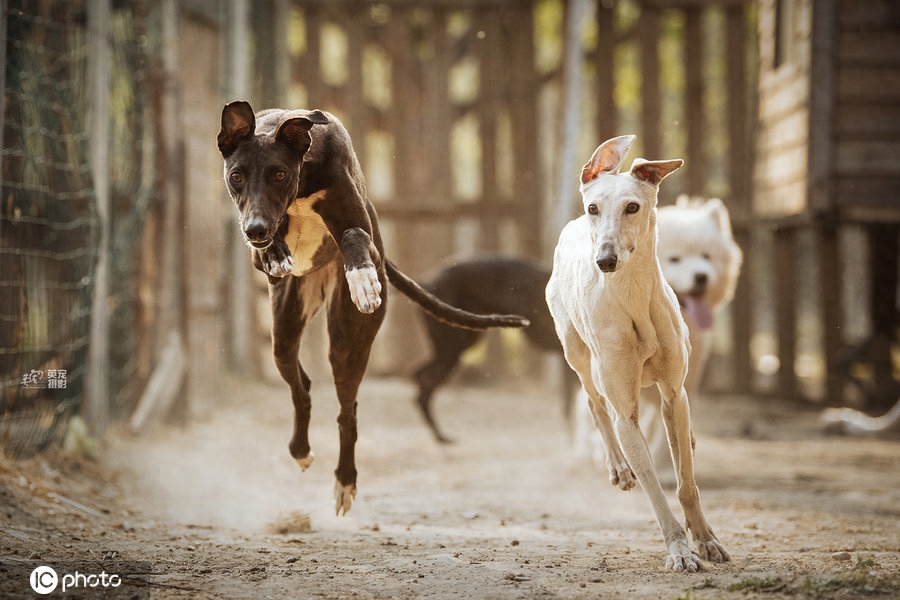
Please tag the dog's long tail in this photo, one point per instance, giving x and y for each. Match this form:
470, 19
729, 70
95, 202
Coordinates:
443, 312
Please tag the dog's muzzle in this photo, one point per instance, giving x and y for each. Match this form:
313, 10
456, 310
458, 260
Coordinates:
607, 258
257, 234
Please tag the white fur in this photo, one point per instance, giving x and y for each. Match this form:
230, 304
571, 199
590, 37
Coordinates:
621, 329
854, 422
307, 461
365, 288
694, 239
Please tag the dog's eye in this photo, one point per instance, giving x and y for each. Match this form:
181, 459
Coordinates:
236, 177
592, 209
632, 208
674, 259
280, 175
706, 256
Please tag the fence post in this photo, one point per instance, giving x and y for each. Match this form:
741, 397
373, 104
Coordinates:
240, 288
96, 399
566, 168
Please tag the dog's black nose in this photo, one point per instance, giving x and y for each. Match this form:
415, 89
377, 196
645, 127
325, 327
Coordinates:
255, 230
608, 263
701, 279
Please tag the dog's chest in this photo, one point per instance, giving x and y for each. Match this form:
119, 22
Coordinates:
307, 237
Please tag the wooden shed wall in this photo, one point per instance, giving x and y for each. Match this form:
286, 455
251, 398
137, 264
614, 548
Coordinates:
780, 174
866, 117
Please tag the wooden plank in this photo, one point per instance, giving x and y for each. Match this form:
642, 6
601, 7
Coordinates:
782, 97
607, 112
96, 407
878, 14
830, 274
869, 48
868, 199
491, 70
786, 131
527, 181
870, 84
867, 120
651, 96
868, 157
311, 63
821, 106
694, 55
740, 169
356, 39
784, 165
778, 201
786, 311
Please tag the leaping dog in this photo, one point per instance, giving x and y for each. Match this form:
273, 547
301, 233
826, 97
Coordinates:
306, 215
621, 328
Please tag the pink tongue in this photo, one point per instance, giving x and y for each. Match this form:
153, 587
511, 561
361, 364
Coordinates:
699, 312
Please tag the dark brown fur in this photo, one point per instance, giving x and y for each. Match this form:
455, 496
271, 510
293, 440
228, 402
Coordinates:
486, 284
294, 172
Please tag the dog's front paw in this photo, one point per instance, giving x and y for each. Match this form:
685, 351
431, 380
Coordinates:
682, 559
712, 550
344, 495
365, 288
277, 260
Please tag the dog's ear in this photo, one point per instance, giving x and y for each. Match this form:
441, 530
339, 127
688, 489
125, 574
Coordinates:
607, 158
295, 131
654, 171
716, 210
238, 123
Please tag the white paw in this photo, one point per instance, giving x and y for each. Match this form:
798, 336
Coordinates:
280, 268
365, 289
306, 461
344, 495
682, 559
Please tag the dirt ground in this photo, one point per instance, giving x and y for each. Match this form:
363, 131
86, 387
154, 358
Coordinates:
220, 510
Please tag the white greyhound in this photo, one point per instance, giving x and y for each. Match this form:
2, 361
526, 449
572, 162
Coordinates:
621, 329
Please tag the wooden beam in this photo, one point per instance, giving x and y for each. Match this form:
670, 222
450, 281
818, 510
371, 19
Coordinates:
651, 94
694, 57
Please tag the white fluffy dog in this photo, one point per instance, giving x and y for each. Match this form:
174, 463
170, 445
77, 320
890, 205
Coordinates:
701, 262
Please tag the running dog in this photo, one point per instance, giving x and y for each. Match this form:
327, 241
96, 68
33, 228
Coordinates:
488, 284
702, 262
305, 213
621, 328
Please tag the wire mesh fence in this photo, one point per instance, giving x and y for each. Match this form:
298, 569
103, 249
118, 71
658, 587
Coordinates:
48, 218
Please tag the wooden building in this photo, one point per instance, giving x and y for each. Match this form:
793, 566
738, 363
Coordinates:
828, 141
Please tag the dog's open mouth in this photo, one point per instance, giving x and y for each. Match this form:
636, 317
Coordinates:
696, 309
259, 244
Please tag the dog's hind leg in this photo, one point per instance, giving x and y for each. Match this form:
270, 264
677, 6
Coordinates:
676, 415
351, 334
447, 343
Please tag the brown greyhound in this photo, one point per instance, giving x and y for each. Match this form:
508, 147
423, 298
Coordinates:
306, 215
